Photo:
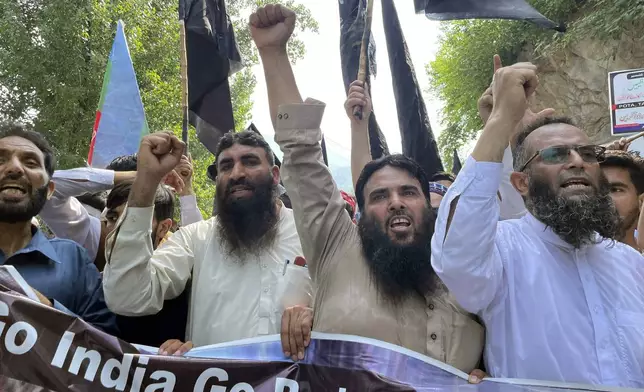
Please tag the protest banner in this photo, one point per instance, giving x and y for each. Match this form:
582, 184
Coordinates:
42, 349
626, 97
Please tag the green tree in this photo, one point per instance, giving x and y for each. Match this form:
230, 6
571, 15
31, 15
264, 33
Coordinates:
53, 56
463, 66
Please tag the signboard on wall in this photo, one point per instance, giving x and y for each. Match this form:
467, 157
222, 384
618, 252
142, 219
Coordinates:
626, 97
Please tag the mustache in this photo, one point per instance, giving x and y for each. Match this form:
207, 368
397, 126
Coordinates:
240, 182
396, 214
19, 180
576, 174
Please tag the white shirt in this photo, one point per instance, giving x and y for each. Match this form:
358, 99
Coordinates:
551, 312
512, 205
70, 219
229, 300
66, 216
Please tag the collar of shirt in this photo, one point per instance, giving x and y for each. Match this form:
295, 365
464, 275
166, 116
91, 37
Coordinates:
39, 243
546, 233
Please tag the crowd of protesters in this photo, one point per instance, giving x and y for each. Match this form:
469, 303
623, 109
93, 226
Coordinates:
526, 265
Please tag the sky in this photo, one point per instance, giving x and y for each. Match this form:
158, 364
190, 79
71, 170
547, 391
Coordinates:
319, 74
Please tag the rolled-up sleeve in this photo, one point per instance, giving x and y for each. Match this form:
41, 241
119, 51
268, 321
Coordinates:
320, 216
136, 279
464, 255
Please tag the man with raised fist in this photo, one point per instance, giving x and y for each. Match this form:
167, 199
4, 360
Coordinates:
242, 263
561, 300
373, 279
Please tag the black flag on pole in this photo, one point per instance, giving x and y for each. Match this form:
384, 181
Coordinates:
483, 9
418, 140
456, 163
352, 25
213, 55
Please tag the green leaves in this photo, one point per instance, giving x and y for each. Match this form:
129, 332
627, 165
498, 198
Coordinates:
463, 66
53, 56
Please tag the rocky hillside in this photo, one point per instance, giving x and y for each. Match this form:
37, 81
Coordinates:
574, 81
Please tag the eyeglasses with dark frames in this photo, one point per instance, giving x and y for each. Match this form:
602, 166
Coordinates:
560, 154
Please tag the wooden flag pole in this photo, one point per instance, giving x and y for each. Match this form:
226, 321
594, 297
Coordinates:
634, 137
364, 56
628, 140
184, 84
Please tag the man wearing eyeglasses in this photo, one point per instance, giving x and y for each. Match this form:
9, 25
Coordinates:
560, 298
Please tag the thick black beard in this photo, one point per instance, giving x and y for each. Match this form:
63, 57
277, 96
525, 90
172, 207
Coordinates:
248, 226
399, 271
575, 220
14, 213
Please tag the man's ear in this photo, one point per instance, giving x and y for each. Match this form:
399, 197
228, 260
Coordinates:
275, 172
520, 182
162, 228
50, 189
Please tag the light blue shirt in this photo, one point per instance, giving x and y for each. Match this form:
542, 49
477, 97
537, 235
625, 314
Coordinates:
551, 312
62, 271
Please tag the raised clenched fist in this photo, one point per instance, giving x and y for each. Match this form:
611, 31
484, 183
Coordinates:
159, 154
271, 26
511, 88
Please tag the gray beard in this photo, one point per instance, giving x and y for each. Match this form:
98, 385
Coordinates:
575, 220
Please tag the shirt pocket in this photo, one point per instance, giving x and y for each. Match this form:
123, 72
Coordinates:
294, 287
631, 338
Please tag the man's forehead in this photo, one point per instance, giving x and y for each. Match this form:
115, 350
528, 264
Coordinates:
556, 135
237, 151
18, 143
617, 175
390, 177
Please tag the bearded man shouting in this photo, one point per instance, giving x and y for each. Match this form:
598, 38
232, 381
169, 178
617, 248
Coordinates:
561, 299
374, 279
242, 262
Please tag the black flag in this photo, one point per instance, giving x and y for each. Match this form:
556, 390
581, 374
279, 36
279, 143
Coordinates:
483, 9
456, 163
213, 55
352, 24
418, 140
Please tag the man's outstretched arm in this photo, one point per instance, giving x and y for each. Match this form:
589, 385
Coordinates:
320, 215
464, 251
271, 27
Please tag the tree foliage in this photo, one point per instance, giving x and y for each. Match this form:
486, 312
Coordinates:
53, 55
463, 66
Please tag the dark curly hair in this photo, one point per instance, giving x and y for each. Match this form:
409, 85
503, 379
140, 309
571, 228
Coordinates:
398, 161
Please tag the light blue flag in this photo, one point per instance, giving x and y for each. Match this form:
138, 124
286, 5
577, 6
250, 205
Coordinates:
120, 119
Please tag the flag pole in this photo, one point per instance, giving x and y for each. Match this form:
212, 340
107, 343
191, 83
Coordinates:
364, 57
184, 84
